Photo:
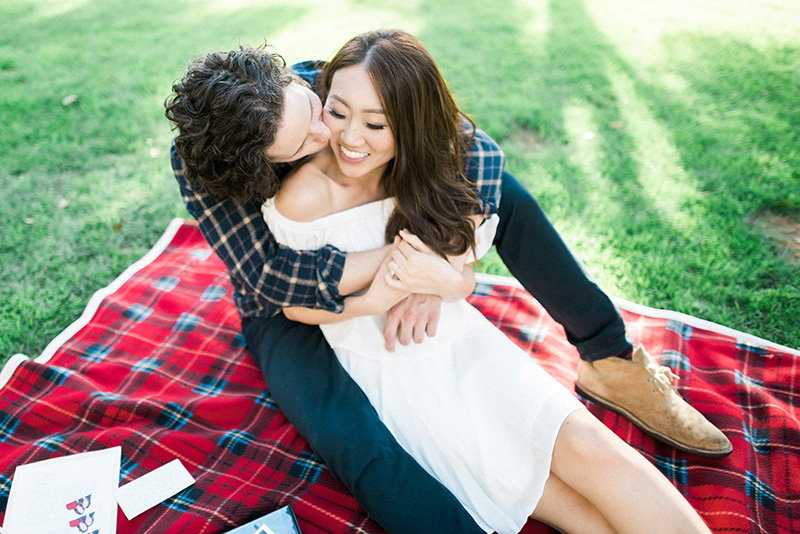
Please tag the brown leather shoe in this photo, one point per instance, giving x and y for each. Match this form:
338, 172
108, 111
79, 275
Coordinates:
642, 391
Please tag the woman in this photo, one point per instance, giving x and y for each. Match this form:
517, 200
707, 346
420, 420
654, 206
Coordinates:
507, 439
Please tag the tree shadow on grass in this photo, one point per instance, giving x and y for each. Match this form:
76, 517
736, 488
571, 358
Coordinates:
739, 131
548, 85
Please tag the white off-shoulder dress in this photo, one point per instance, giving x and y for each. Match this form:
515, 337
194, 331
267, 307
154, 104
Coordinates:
468, 404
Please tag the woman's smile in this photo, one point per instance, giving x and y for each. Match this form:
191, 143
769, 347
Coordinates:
352, 156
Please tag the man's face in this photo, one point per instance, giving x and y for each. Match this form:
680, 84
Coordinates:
301, 131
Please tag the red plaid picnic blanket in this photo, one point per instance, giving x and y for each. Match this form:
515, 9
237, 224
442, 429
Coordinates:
156, 365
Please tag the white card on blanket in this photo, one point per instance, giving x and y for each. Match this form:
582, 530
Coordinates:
156, 486
73, 493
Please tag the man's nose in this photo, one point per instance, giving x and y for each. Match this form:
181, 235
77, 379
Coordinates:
320, 132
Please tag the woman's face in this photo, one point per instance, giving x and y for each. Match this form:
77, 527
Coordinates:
361, 139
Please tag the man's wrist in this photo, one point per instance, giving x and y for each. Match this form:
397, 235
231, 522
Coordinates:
360, 269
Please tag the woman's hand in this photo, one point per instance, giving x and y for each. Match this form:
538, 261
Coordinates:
380, 295
415, 268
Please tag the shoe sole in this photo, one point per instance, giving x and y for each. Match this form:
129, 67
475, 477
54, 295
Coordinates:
705, 453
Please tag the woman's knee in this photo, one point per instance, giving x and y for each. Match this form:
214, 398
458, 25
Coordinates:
585, 443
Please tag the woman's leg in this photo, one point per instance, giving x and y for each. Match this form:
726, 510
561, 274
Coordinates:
567, 511
329, 410
626, 489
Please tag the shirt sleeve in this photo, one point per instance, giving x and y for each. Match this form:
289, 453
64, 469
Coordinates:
484, 165
266, 275
309, 71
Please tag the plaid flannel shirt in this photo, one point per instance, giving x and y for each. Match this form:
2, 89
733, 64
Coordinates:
267, 276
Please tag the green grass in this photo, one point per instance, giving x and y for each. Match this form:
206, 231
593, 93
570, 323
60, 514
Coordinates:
652, 133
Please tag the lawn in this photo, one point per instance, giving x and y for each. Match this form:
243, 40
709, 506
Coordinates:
662, 138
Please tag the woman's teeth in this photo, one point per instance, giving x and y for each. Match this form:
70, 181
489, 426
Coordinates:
353, 155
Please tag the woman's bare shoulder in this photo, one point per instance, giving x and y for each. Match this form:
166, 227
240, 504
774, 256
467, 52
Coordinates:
305, 195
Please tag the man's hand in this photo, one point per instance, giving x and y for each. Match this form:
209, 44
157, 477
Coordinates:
411, 319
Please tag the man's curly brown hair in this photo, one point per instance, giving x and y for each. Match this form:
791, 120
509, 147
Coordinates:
227, 109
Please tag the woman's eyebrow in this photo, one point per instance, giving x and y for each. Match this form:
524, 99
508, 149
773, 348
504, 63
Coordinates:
340, 99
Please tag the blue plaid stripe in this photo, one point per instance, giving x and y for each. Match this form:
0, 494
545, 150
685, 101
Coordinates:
758, 437
96, 352
755, 349
211, 385
676, 360
532, 332
238, 341
236, 441
173, 416
265, 399
147, 364
674, 469
56, 375
482, 289
759, 491
214, 293
683, 330
8, 424
126, 467
5, 491
166, 283
744, 380
307, 467
186, 322
107, 396
184, 500
51, 443
201, 254
137, 312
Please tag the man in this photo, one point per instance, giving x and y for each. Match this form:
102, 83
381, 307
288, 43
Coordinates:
242, 119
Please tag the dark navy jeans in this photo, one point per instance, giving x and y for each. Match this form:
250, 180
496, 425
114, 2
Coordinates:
332, 413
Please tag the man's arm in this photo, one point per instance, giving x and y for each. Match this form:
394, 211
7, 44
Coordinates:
378, 299
266, 275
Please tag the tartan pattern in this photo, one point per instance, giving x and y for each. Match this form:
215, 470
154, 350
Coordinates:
163, 392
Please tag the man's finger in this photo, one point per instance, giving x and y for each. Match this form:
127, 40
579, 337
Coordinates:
419, 334
390, 332
430, 328
404, 333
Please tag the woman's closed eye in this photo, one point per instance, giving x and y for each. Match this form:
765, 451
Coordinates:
334, 114
337, 115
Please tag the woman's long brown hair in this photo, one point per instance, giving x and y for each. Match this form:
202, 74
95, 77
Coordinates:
434, 199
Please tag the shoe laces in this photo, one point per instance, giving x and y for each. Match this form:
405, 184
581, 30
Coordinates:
664, 377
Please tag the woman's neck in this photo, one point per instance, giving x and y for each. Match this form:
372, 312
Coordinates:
353, 191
